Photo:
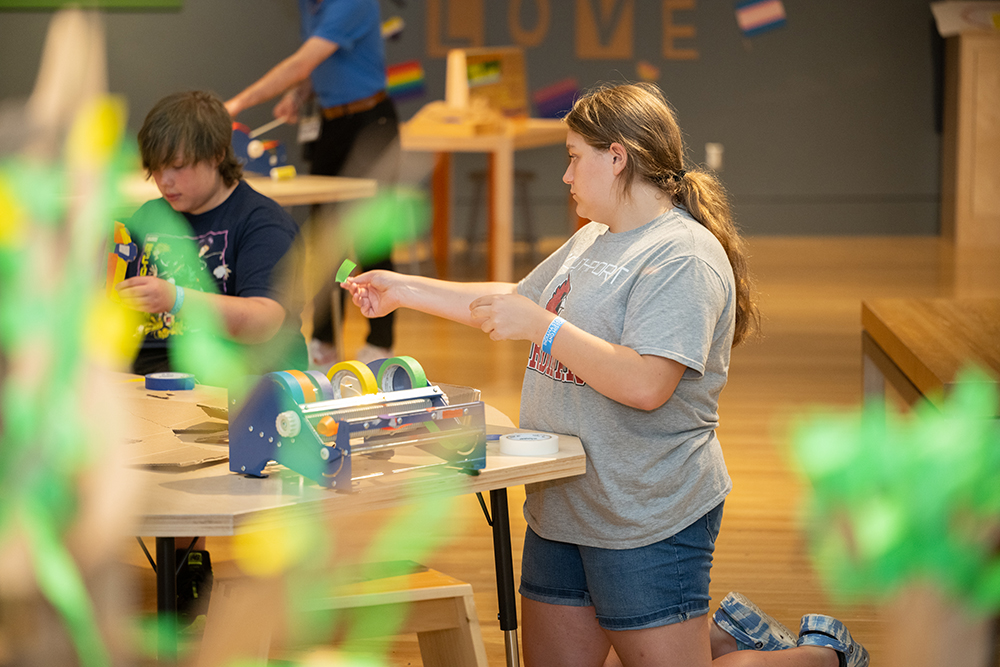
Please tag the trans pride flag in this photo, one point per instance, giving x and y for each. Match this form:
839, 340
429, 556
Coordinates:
757, 16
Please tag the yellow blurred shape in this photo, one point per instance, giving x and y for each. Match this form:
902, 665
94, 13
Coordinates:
270, 551
11, 217
97, 131
111, 332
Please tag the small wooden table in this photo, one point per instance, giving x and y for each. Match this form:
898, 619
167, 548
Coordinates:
521, 135
306, 189
919, 345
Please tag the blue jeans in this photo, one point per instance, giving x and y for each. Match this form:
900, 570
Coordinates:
630, 589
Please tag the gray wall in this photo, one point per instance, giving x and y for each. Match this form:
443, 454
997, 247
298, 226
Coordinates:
828, 123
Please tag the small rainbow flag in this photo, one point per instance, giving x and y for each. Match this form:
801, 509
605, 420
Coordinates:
757, 16
555, 100
405, 81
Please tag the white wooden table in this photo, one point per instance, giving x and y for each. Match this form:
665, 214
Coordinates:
211, 500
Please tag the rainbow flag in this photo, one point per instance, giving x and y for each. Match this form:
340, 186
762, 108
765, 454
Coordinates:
406, 80
555, 100
757, 16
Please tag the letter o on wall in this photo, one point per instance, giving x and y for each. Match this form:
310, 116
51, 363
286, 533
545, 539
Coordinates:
528, 37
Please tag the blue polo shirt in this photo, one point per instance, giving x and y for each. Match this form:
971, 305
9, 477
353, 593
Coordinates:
356, 70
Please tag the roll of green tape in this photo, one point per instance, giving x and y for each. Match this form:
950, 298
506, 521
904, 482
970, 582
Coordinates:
400, 373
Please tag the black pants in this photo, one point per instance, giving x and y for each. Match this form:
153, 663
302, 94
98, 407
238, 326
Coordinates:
361, 145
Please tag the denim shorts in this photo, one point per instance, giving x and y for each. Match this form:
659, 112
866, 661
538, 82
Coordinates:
630, 589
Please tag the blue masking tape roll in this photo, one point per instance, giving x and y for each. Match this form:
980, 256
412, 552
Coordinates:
169, 381
291, 383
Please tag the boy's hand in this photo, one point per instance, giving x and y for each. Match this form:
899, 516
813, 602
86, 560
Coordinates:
148, 294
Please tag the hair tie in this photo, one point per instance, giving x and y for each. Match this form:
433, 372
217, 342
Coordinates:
679, 175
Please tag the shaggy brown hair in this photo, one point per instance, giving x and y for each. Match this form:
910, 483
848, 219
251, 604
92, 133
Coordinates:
195, 123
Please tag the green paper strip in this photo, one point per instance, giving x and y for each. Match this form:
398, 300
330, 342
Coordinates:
345, 270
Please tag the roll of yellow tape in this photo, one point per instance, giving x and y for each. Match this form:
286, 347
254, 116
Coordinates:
283, 173
347, 370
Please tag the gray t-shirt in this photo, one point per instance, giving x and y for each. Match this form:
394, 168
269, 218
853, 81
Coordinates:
664, 289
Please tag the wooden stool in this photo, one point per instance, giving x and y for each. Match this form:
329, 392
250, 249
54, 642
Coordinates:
438, 608
522, 179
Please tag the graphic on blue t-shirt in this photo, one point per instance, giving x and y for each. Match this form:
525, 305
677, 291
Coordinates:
163, 257
543, 362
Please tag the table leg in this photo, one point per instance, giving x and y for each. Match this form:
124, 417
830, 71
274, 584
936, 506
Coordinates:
441, 197
166, 599
879, 370
502, 211
873, 380
505, 573
491, 217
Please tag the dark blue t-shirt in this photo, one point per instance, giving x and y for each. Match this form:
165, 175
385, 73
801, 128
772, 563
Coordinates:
235, 249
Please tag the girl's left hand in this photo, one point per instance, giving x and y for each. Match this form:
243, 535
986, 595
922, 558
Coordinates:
509, 316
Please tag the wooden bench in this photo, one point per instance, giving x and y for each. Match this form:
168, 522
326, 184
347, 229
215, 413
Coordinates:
438, 608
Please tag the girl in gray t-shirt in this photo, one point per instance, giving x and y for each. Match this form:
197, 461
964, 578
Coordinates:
632, 322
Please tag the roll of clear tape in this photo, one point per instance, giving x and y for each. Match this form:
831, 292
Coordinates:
529, 444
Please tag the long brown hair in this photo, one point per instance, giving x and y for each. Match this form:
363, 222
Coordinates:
195, 122
638, 117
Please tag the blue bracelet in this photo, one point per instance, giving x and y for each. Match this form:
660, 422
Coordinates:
550, 334
178, 299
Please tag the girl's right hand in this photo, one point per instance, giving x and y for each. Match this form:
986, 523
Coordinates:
374, 292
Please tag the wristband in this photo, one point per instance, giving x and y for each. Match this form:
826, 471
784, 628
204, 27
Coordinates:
550, 334
178, 299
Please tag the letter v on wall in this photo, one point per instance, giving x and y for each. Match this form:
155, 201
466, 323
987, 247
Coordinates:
605, 29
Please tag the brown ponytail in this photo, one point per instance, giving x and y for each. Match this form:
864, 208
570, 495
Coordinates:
705, 199
638, 117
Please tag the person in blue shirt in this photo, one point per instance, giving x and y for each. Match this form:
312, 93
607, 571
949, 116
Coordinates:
341, 62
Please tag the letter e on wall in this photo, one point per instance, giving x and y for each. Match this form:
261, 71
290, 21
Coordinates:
672, 31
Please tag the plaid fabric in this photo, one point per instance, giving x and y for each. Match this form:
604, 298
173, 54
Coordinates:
819, 630
752, 628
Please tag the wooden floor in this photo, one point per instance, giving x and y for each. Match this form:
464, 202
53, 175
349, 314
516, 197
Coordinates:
809, 354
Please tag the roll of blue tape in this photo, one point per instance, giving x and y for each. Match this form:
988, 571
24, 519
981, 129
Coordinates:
289, 382
169, 381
